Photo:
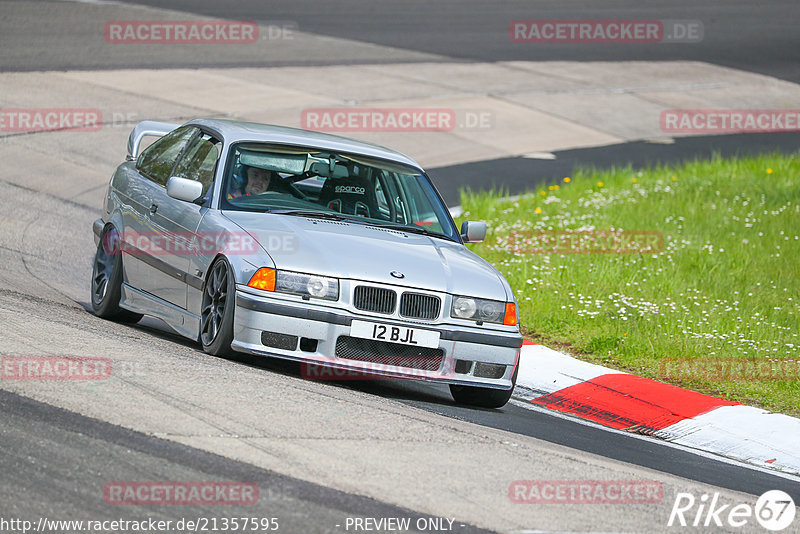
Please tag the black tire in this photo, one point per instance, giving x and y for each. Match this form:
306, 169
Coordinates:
217, 309
483, 397
107, 280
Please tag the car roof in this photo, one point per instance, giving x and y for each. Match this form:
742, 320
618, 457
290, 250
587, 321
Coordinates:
241, 131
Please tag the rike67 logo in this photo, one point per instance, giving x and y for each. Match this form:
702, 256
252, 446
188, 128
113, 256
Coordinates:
774, 510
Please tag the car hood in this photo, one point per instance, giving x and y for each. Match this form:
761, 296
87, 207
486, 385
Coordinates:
361, 252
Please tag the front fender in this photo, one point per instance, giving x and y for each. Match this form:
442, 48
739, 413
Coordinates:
244, 261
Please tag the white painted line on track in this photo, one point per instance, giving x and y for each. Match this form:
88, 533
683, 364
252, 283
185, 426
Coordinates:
539, 155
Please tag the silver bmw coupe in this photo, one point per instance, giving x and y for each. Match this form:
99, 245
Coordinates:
293, 244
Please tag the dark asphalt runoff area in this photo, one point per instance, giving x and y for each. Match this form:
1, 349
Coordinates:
57, 463
758, 37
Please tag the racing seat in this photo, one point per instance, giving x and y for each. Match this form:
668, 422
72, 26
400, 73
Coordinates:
352, 196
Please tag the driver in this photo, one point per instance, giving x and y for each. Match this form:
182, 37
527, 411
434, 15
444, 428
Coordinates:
256, 180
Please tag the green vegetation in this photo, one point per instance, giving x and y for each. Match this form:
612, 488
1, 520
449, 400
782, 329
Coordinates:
724, 284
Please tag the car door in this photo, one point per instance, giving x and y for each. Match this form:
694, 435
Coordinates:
143, 229
178, 220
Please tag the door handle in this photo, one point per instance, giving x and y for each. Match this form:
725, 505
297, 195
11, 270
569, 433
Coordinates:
153, 209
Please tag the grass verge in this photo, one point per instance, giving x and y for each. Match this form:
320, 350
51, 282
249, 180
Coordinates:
689, 274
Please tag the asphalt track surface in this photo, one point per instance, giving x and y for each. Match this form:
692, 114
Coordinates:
563, 431
36, 435
760, 37
539, 424
55, 460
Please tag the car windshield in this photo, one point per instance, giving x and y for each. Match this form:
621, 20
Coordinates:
302, 181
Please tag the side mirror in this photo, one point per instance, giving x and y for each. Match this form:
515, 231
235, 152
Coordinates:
473, 231
184, 189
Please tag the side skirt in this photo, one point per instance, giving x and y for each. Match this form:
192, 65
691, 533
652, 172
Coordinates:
184, 322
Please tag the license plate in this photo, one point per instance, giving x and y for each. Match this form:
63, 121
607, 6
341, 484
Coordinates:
395, 334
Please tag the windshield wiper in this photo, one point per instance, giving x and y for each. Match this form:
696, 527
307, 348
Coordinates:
333, 216
311, 213
413, 230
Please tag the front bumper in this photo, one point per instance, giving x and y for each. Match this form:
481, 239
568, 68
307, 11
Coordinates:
308, 332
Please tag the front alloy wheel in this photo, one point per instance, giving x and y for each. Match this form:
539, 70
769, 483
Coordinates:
107, 280
216, 315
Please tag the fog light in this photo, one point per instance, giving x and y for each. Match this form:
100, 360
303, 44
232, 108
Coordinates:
489, 370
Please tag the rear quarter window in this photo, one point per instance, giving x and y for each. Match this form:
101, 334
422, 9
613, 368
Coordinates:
158, 160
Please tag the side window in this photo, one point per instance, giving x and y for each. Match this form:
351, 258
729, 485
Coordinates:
422, 206
199, 161
157, 160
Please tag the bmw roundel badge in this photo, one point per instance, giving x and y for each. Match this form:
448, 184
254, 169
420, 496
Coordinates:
397, 274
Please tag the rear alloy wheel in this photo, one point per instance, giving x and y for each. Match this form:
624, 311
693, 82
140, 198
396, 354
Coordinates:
484, 397
216, 315
107, 280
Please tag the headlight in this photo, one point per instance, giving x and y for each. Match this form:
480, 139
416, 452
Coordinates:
464, 308
490, 311
320, 287
295, 283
